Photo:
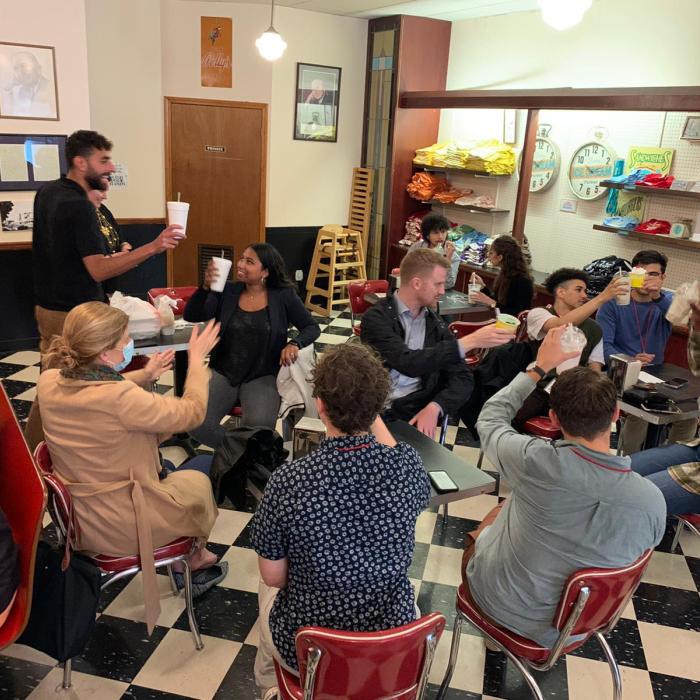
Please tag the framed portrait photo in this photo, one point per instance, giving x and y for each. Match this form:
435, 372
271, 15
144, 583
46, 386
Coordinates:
28, 82
316, 103
691, 129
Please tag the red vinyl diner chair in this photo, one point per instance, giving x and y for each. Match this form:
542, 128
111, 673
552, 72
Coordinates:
358, 305
23, 501
115, 568
689, 520
461, 328
591, 604
392, 664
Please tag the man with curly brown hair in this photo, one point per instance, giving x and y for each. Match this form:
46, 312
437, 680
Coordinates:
335, 530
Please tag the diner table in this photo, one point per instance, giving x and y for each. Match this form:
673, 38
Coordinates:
451, 303
686, 399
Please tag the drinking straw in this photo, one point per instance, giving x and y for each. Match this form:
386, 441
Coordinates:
178, 196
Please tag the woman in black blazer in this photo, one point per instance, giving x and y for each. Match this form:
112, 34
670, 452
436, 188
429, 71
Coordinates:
255, 313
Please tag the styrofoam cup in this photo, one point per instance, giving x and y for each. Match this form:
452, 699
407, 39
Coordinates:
177, 214
223, 267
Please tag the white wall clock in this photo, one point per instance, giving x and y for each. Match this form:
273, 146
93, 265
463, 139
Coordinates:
545, 162
591, 162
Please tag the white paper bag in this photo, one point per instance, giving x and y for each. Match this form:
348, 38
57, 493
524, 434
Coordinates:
144, 319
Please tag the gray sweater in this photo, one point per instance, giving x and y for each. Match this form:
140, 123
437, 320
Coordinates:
571, 508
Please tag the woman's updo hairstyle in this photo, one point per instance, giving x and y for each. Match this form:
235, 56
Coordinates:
88, 331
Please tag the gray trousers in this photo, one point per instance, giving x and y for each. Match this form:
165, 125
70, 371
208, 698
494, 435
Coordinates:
634, 433
258, 399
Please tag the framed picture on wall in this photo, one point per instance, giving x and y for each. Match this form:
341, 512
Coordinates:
691, 129
28, 82
316, 103
27, 161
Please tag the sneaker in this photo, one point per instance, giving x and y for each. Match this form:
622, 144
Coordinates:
271, 694
204, 579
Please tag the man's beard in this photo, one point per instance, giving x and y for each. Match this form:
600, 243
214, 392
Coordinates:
96, 182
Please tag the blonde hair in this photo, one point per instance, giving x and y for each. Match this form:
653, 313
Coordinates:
89, 329
420, 263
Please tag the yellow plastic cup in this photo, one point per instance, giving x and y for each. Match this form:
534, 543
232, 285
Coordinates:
507, 322
637, 279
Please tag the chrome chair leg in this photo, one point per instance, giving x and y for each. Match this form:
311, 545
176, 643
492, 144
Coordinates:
187, 571
454, 651
677, 536
529, 678
171, 578
481, 459
444, 513
67, 668
614, 668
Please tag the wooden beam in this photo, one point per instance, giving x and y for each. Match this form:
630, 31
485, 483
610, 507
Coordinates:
531, 125
654, 99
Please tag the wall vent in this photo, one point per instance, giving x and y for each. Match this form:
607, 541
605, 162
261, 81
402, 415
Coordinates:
207, 251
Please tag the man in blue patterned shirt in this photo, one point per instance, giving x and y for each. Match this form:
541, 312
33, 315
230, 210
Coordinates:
335, 530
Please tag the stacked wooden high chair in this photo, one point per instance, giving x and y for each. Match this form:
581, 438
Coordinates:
338, 259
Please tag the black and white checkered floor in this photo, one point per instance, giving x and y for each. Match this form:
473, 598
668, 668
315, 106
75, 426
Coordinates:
657, 642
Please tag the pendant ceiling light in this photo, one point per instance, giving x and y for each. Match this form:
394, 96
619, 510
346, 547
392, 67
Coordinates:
563, 14
270, 44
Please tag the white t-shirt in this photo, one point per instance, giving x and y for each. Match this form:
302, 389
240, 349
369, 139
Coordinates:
536, 318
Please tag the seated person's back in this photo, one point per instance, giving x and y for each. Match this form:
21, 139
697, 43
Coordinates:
573, 504
335, 529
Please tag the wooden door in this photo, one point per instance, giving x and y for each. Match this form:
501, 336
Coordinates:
215, 156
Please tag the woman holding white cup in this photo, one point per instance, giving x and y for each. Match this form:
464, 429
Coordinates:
255, 313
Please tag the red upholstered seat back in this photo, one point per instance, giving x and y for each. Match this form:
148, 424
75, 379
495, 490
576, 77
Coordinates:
23, 500
59, 495
357, 291
361, 665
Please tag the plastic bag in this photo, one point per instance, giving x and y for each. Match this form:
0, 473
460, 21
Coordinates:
687, 293
165, 305
600, 273
144, 319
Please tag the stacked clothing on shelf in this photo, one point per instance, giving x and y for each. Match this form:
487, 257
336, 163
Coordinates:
412, 228
453, 195
656, 180
484, 201
490, 156
424, 186
630, 178
475, 254
627, 223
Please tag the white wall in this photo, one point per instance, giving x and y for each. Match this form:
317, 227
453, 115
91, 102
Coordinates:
598, 53
619, 43
61, 25
310, 182
126, 98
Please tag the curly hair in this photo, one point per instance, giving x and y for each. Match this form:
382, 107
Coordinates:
564, 275
354, 386
89, 329
512, 265
83, 143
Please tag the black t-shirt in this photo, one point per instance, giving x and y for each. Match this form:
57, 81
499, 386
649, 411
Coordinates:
245, 347
65, 231
9, 571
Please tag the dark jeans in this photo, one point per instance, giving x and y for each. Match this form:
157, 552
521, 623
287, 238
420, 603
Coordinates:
200, 463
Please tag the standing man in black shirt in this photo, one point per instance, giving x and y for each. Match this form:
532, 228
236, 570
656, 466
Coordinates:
72, 256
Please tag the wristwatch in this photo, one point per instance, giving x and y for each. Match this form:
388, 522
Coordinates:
537, 370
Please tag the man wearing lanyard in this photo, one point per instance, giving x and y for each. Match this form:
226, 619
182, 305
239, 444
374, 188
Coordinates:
642, 331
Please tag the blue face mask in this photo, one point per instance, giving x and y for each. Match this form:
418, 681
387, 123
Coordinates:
128, 353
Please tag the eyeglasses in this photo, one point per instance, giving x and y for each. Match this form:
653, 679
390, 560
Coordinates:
655, 274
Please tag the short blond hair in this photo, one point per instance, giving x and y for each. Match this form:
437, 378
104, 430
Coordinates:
421, 263
89, 330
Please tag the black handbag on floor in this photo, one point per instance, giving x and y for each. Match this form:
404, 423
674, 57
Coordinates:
64, 603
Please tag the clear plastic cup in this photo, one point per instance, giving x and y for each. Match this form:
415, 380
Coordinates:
572, 340
507, 322
223, 267
474, 287
623, 299
177, 214
637, 275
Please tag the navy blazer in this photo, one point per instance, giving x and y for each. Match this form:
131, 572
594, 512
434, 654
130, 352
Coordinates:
284, 307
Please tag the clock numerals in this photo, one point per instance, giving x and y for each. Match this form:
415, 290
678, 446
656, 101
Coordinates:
590, 164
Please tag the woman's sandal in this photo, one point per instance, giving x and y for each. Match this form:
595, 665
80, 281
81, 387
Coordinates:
203, 579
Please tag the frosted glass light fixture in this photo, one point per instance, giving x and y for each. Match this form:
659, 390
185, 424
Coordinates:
563, 14
270, 44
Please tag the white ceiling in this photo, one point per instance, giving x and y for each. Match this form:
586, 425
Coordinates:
439, 9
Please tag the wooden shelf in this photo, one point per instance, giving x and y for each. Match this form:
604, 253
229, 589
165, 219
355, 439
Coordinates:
656, 191
458, 171
15, 245
658, 238
468, 208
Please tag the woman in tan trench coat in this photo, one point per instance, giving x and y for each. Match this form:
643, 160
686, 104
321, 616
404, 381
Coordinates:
103, 430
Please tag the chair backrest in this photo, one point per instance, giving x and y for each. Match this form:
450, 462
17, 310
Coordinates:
357, 291
23, 500
461, 328
59, 496
356, 665
609, 590
521, 333
181, 295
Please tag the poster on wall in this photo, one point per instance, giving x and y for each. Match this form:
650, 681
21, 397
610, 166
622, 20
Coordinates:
27, 161
316, 103
217, 51
28, 82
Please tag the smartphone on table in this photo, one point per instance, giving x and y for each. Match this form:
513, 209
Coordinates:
442, 482
677, 383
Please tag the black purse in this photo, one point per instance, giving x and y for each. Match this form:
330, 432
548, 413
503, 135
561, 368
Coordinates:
64, 603
650, 400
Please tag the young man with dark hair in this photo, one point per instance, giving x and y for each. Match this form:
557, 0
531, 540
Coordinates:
434, 229
70, 252
425, 360
571, 305
573, 506
641, 331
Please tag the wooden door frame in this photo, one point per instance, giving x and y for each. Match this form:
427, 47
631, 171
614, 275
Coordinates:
262, 107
